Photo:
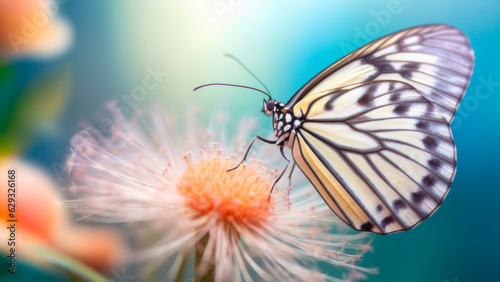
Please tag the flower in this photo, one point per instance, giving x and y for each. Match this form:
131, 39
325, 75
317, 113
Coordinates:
41, 224
143, 170
32, 28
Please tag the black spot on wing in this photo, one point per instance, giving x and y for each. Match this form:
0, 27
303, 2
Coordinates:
391, 86
399, 204
367, 226
365, 100
430, 143
408, 69
395, 96
387, 220
428, 181
329, 105
382, 66
379, 208
418, 197
401, 108
386, 67
407, 74
434, 163
422, 124
410, 66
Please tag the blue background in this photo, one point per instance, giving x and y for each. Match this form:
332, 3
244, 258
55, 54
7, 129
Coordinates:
285, 44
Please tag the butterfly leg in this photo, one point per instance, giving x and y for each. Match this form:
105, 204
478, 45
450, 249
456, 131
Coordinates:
248, 150
290, 175
290, 178
283, 172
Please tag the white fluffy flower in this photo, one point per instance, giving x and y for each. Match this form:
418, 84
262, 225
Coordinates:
146, 171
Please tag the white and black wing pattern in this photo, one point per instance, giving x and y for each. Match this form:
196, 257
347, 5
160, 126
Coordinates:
380, 154
437, 60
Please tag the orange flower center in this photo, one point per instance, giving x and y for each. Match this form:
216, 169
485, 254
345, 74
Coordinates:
239, 196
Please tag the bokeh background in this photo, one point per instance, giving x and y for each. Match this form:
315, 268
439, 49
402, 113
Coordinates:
97, 51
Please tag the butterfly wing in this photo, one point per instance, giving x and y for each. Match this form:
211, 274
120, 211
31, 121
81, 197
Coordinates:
437, 60
375, 140
383, 163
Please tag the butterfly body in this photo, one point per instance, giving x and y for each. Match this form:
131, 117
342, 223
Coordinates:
372, 131
285, 123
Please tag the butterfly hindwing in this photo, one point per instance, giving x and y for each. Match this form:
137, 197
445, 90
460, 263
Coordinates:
380, 154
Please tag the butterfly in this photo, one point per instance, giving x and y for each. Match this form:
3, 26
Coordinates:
372, 132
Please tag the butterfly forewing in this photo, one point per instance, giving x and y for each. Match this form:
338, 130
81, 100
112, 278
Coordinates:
437, 60
380, 154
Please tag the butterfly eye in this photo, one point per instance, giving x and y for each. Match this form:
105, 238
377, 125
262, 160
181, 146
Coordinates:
270, 105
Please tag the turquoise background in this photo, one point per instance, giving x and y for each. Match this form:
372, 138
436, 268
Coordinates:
286, 43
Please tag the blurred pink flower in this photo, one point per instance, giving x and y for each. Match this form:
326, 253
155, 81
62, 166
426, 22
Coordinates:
147, 171
32, 28
42, 222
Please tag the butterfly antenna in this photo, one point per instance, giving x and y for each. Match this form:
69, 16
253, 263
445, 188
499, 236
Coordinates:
250, 72
234, 85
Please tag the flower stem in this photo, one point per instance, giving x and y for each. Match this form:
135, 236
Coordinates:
206, 275
182, 268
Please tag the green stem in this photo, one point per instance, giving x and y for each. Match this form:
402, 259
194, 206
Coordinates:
182, 269
208, 274
70, 264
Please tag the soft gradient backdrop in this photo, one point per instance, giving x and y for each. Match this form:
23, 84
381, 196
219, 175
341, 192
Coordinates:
119, 43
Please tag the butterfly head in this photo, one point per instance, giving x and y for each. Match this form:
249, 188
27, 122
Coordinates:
269, 106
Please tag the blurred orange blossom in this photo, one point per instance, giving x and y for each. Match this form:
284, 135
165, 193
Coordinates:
32, 28
42, 222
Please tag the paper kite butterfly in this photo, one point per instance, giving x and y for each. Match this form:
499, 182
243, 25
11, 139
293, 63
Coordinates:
372, 131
